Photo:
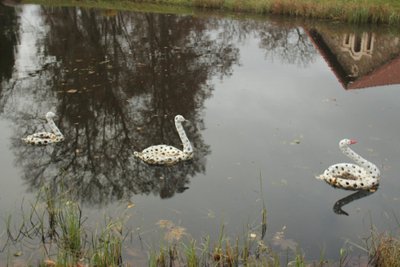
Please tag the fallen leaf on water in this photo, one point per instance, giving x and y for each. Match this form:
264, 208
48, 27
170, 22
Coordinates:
211, 214
295, 142
280, 240
72, 91
18, 253
175, 233
49, 263
253, 236
165, 224
332, 99
130, 205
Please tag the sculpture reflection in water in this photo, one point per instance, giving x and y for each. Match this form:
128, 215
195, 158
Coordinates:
337, 207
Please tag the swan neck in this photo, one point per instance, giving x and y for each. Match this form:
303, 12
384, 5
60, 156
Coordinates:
53, 127
357, 158
187, 147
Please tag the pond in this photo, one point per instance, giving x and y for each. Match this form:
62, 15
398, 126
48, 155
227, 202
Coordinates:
267, 100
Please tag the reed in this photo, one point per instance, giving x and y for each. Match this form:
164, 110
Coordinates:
352, 11
55, 224
191, 258
70, 241
107, 246
57, 221
384, 250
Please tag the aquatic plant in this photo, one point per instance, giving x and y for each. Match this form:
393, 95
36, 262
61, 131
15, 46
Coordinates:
55, 224
67, 240
384, 249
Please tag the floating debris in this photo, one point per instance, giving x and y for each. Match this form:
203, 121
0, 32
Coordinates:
17, 254
174, 232
49, 263
165, 223
280, 240
295, 142
211, 214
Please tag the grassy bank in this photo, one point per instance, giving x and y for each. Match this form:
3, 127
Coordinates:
58, 233
354, 11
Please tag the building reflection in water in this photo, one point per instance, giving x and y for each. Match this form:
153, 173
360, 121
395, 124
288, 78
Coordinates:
359, 59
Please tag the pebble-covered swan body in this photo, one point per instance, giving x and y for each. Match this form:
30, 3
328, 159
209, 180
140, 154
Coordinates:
168, 155
45, 138
364, 176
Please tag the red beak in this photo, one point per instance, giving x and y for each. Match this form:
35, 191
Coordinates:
352, 141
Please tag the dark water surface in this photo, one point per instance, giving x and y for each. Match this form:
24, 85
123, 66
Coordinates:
265, 98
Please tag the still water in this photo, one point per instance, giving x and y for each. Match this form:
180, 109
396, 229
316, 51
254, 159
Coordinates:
267, 99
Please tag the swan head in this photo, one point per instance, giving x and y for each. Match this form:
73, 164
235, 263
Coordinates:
347, 142
179, 118
50, 115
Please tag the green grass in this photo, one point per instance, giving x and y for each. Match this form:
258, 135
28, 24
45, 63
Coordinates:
353, 11
67, 240
54, 226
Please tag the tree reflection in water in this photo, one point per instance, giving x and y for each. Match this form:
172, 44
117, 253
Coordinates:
116, 80
116, 83
8, 41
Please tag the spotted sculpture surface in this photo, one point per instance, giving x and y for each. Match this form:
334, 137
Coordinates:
168, 155
45, 138
349, 176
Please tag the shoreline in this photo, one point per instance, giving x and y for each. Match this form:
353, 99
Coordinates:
352, 11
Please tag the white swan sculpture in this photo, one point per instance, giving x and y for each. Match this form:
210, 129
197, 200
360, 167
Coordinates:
45, 138
364, 176
168, 155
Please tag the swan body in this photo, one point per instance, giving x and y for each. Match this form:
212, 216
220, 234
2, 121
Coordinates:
361, 176
168, 155
45, 138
